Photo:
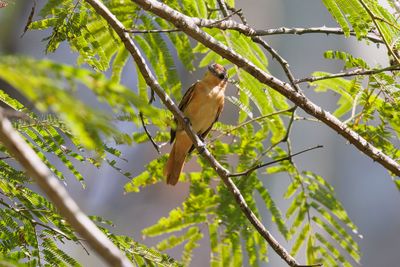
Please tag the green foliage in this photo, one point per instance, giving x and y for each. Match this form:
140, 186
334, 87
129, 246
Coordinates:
350, 14
366, 16
315, 203
97, 44
138, 253
31, 229
53, 87
369, 102
315, 221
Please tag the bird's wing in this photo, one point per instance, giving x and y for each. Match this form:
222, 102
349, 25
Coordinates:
204, 134
187, 97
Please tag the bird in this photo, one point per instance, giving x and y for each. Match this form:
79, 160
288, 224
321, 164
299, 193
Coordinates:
201, 104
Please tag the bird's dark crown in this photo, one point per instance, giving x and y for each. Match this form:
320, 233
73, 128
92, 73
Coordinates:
218, 70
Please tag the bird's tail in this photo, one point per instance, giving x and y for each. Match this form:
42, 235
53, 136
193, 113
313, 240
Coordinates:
176, 159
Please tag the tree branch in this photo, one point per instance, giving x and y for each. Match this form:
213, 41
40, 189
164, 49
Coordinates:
284, 64
356, 72
200, 146
227, 132
275, 55
67, 207
262, 165
323, 30
157, 147
248, 31
211, 23
188, 25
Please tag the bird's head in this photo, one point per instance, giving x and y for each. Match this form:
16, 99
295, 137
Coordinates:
218, 71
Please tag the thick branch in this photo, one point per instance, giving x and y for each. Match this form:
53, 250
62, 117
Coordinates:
200, 146
67, 207
189, 26
211, 24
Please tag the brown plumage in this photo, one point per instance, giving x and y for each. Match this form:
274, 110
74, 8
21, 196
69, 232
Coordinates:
202, 105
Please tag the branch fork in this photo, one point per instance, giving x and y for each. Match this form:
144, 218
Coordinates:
299, 99
154, 85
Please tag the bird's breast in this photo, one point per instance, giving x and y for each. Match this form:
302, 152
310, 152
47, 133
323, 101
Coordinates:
204, 106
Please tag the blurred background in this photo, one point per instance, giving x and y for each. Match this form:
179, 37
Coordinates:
364, 187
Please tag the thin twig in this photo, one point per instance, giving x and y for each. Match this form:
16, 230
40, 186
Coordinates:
226, 17
157, 147
387, 22
298, 118
223, 6
227, 24
29, 21
275, 55
289, 127
356, 72
322, 30
152, 31
262, 165
240, 14
67, 207
295, 177
200, 146
284, 64
227, 132
311, 265
189, 26
283, 139
268, 32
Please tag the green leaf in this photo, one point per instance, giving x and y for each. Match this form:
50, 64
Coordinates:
352, 249
51, 250
338, 256
190, 246
275, 212
345, 88
118, 64
303, 234
333, 8
176, 221
310, 250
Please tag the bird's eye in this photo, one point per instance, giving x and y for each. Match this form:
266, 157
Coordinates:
221, 76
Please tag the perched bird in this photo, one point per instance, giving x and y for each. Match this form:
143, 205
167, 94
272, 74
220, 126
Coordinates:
202, 104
